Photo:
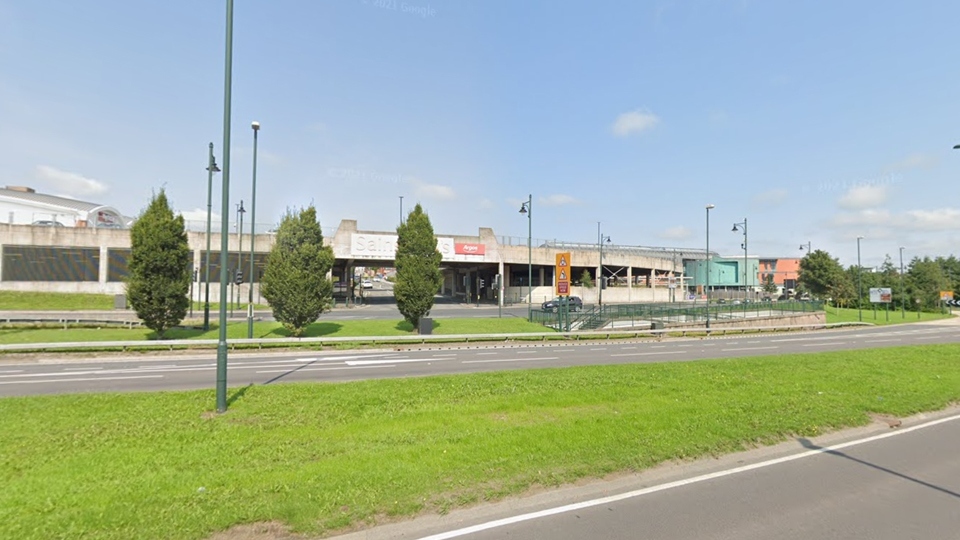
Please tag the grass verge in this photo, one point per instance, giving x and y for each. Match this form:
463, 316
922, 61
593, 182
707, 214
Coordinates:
320, 457
238, 330
43, 301
881, 316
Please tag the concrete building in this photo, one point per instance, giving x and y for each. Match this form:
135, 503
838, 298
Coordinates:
84, 259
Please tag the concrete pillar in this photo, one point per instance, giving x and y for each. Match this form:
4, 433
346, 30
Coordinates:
104, 266
500, 270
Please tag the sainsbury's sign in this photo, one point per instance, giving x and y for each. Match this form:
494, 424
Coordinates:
384, 246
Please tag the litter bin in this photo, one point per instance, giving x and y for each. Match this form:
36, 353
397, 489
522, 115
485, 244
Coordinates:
426, 326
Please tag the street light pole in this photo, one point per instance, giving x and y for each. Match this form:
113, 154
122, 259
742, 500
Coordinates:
225, 216
527, 208
600, 240
807, 246
859, 283
211, 168
401, 209
745, 261
709, 207
253, 230
903, 293
240, 213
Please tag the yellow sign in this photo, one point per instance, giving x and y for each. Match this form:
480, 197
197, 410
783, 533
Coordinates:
563, 274
946, 295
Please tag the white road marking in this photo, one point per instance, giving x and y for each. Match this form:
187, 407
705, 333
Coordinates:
600, 349
647, 353
81, 368
749, 349
389, 361
627, 348
528, 352
444, 355
12, 371
825, 344
882, 340
84, 379
511, 360
486, 353
326, 369
675, 484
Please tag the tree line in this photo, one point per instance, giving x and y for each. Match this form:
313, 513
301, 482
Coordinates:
295, 281
918, 287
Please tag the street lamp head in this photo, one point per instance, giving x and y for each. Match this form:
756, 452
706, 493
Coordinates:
523, 208
956, 147
735, 229
255, 125
710, 207
241, 209
213, 167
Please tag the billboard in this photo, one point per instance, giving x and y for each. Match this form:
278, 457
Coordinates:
881, 295
563, 274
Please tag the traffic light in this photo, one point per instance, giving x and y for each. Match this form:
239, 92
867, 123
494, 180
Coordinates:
239, 279
481, 283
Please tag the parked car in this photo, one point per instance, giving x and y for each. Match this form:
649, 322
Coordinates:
575, 303
367, 284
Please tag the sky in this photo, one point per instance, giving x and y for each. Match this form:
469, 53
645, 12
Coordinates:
816, 121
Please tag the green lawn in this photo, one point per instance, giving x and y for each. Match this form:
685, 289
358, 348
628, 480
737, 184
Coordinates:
36, 301
880, 316
319, 457
236, 330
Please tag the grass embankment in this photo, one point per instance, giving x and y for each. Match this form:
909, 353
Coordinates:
238, 330
39, 301
319, 457
880, 316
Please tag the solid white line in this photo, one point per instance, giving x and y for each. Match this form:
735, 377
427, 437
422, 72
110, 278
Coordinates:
749, 349
511, 360
647, 353
824, 344
323, 369
84, 379
678, 483
12, 371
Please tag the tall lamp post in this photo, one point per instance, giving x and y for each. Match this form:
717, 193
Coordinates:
903, 293
709, 207
736, 228
527, 208
253, 230
600, 240
211, 168
225, 215
807, 246
240, 213
401, 209
859, 283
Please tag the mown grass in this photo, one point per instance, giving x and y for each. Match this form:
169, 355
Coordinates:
320, 457
238, 330
43, 301
880, 316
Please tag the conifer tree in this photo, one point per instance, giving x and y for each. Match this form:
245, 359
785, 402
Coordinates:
418, 267
159, 267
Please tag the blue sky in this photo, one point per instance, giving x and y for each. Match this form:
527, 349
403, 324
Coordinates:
817, 121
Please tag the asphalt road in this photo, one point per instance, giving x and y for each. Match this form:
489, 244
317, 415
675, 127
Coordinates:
56, 373
877, 483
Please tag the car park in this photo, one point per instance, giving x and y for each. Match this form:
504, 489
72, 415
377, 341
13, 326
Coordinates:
574, 303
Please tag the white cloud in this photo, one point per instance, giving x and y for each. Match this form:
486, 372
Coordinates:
70, 183
201, 215
863, 196
771, 197
557, 200
941, 219
677, 233
634, 122
861, 218
433, 191
914, 161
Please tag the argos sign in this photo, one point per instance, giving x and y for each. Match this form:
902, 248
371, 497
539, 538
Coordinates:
470, 249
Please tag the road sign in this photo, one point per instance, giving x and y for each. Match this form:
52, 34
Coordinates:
946, 295
881, 295
563, 271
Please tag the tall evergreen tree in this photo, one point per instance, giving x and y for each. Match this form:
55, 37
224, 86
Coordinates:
418, 267
159, 266
295, 281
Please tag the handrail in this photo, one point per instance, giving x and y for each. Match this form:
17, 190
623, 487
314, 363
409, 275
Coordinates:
421, 339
